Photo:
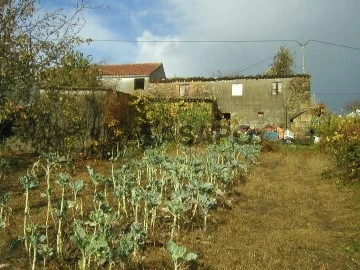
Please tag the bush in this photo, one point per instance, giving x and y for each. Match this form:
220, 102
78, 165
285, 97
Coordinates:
341, 137
62, 121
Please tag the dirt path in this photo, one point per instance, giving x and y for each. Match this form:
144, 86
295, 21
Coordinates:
287, 216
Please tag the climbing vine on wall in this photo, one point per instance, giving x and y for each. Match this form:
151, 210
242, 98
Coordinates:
174, 114
165, 118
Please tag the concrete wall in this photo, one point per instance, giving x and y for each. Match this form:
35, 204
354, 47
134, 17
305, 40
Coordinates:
300, 125
158, 74
125, 85
257, 105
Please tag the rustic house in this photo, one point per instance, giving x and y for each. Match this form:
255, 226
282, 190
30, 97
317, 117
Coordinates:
131, 78
253, 100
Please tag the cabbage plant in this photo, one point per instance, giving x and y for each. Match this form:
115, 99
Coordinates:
179, 255
89, 245
4, 199
29, 182
63, 181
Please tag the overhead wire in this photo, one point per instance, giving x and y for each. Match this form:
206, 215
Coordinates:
262, 61
304, 43
334, 44
193, 41
301, 44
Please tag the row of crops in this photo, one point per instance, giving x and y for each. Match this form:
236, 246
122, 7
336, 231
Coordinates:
107, 219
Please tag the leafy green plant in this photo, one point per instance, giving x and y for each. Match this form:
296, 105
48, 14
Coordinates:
131, 241
176, 208
36, 239
49, 162
340, 136
4, 166
179, 255
46, 251
89, 244
206, 202
76, 187
29, 182
177, 183
4, 199
124, 179
63, 181
153, 198
95, 177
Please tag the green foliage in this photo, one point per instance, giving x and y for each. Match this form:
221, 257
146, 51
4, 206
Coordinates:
38, 57
29, 181
74, 70
62, 121
298, 95
31, 41
179, 255
144, 194
341, 137
4, 166
89, 244
4, 199
283, 63
173, 115
156, 121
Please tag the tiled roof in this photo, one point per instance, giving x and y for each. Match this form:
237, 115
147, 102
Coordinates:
144, 69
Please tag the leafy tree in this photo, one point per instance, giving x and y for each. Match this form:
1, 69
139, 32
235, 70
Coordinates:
38, 52
74, 70
31, 41
283, 63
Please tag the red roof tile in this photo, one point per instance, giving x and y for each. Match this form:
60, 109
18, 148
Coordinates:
129, 69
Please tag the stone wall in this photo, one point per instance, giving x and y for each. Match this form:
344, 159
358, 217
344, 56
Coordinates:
253, 101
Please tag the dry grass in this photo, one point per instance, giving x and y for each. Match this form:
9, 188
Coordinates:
288, 217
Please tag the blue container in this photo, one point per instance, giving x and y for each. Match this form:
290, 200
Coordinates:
272, 136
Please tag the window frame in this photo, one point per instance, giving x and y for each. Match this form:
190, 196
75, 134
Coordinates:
276, 88
139, 82
237, 89
186, 90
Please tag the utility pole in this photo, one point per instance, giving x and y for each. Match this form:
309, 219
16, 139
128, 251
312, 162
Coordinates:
303, 58
303, 44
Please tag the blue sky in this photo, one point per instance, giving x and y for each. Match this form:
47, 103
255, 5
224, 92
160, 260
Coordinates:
335, 70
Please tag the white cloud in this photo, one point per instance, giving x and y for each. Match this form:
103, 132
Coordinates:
103, 48
185, 20
212, 20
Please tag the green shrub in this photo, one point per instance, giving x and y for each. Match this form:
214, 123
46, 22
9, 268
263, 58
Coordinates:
341, 137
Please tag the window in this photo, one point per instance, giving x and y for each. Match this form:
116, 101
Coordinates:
237, 89
276, 88
260, 114
183, 90
139, 84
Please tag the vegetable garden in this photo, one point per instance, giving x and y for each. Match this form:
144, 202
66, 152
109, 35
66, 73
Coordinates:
107, 214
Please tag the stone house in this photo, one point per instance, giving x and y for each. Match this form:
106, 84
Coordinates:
131, 78
252, 100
